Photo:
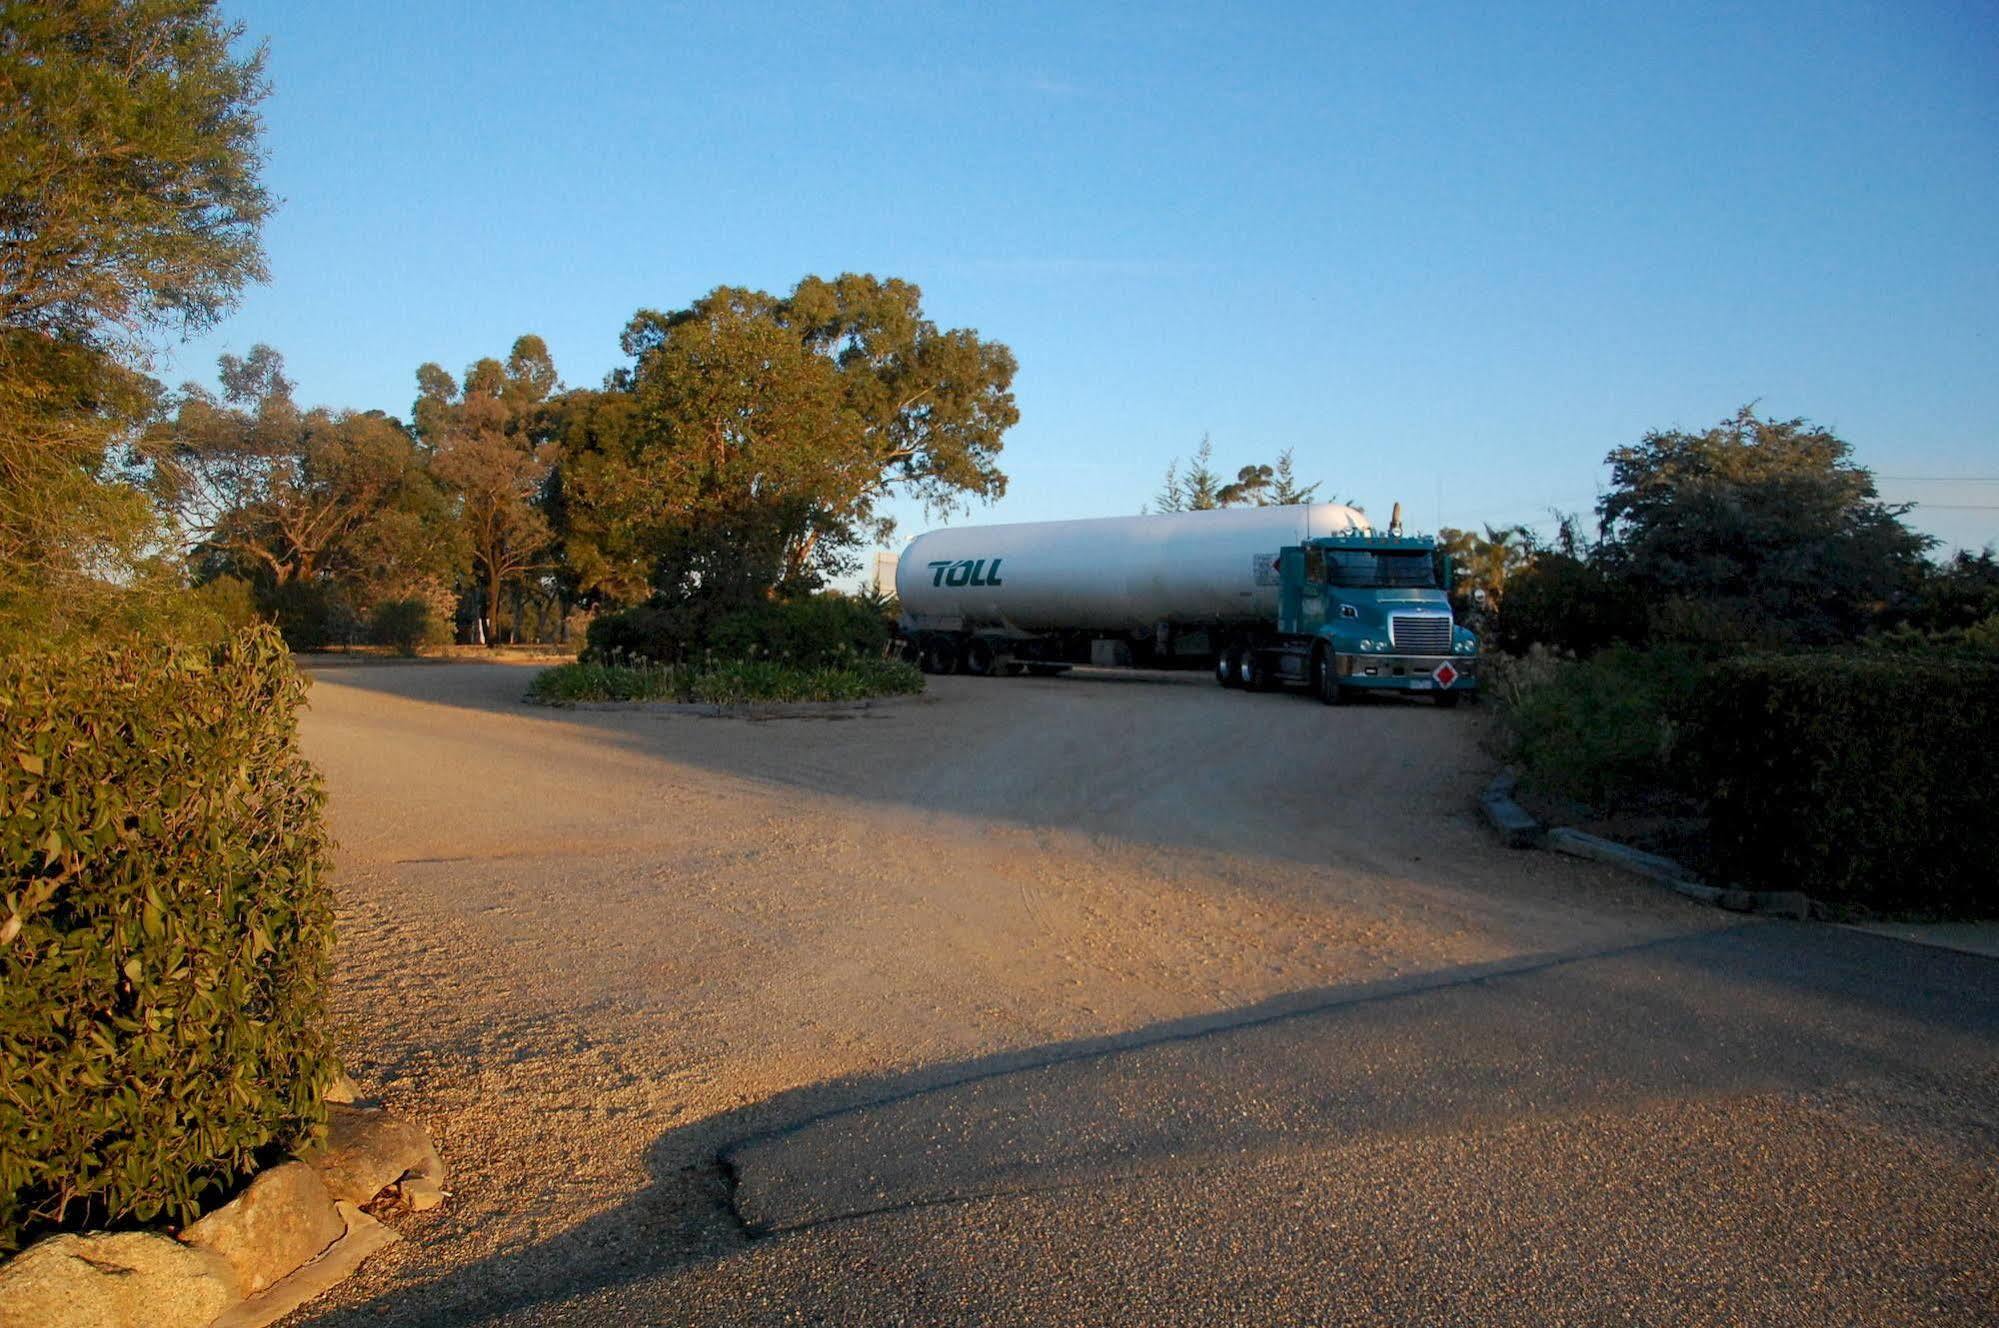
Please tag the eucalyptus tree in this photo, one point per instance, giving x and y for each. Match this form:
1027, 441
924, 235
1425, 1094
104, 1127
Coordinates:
131, 204
493, 446
753, 439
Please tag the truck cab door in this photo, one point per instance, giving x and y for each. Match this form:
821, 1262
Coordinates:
1301, 594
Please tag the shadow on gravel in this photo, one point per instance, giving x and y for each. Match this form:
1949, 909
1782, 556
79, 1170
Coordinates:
1165, 759
1760, 1008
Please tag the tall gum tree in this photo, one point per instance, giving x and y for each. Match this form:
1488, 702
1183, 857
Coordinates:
131, 204
281, 494
494, 451
777, 426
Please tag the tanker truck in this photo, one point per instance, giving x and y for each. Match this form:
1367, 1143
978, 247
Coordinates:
1307, 594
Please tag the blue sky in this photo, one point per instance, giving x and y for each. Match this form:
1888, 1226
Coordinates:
1451, 254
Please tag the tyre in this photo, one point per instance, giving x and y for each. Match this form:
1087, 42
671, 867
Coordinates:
1225, 669
1012, 668
1254, 673
1326, 679
940, 655
980, 658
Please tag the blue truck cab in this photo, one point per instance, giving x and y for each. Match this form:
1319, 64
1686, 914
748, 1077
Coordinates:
1360, 612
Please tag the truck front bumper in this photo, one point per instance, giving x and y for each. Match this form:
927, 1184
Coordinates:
1416, 673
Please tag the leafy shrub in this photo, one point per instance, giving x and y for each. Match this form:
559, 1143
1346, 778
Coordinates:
820, 631
1980, 640
312, 615
231, 599
1956, 594
728, 682
1857, 777
406, 624
1568, 602
663, 632
165, 929
1599, 728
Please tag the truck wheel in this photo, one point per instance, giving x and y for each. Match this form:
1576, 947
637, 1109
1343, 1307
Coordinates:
1226, 668
1326, 679
979, 658
940, 655
1255, 677
1447, 700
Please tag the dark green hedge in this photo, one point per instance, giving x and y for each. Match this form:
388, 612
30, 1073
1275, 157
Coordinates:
165, 930
1858, 778
814, 632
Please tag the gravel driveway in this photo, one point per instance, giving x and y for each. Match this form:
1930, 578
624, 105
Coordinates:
1108, 998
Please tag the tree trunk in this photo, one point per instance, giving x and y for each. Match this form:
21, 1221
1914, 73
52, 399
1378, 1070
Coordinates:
492, 604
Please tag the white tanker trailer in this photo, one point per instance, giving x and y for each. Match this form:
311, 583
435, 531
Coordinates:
1305, 592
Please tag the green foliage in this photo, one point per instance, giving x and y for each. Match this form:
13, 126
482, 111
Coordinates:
815, 631
1955, 595
660, 632
129, 163
129, 204
494, 456
165, 929
819, 631
723, 683
1600, 728
1567, 601
1489, 561
283, 495
408, 625
79, 545
1199, 488
753, 438
1765, 525
311, 615
1862, 778
232, 600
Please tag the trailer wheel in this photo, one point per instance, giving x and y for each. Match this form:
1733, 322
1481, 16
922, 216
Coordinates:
940, 655
1255, 675
1326, 679
911, 652
1225, 669
981, 660
1012, 668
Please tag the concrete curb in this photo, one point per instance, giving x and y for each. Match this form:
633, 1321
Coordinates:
1518, 829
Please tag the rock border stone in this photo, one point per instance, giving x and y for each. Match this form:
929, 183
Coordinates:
296, 1230
1517, 828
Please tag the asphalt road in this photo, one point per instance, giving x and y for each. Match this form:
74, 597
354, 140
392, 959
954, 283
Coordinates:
1106, 999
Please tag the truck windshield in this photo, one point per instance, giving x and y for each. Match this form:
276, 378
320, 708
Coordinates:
1367, 568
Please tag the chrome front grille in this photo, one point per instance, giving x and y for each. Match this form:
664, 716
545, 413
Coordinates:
1421, 633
